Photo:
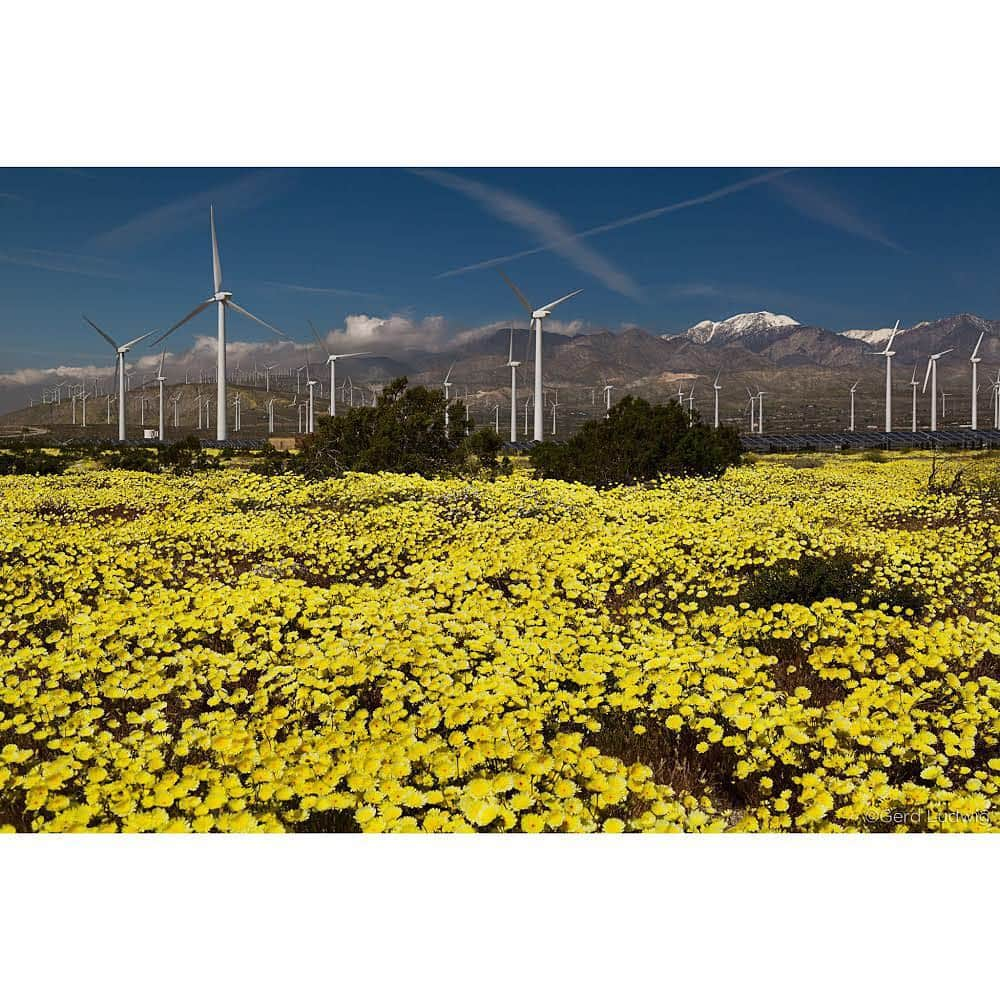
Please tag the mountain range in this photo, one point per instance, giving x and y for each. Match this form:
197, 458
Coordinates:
804, 370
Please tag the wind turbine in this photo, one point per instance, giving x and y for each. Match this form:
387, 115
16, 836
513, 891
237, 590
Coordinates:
537, 315
995, 386
691, 399
944, 403
310, 383
975, 359
197, 400
932, 375
120, 364
760, 411
607, 400
555, 404
716, 387
447, 395
888, 353
853, 390
527, 400
513, 366
160, 380
236, 405
332, 360
83, 404
753, 404
223, 301
914, 383
270, 415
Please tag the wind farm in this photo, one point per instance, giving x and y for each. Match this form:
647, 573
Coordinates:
391, 561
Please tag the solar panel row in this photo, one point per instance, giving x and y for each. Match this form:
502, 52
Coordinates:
847, 440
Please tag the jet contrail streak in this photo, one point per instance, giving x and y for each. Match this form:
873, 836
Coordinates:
626, 221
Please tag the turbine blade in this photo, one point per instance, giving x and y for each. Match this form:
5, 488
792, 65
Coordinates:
132, 343
102, 333
194, 312
316, 336
928, 375
216, 263
510, 351
356, 354
892, 336
552, 305
250, 315
159, 370
975, 350
516, 291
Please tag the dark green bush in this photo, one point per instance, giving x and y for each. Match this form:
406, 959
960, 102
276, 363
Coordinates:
637, 442
404, 432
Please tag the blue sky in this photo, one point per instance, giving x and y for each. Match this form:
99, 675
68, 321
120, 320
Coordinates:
836, 247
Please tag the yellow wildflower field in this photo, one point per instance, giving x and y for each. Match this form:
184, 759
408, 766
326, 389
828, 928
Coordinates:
231, 652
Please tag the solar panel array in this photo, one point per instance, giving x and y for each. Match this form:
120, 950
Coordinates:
965, 438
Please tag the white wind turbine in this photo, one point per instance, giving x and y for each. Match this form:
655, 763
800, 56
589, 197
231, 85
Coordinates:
537, 315
753, 404
555, 405
513, 366
716, 387
888, 353
607, 400
854, 389
224, 301
975, 359
270, 415
332, 360
447, 395
932, 375
120, 364
160, 380
760, 411
914, 385
995, 386
311, 413
83, 405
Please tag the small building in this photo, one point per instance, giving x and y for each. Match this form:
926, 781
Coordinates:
283, 442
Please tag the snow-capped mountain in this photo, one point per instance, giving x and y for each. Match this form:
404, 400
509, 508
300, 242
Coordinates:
737, 327
869, 336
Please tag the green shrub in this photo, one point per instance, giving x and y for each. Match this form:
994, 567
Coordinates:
637, 442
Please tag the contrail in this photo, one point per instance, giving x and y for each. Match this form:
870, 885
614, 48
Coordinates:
628, 220
539, 222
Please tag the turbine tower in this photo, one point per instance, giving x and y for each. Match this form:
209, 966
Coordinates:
160, 380
537, 315
853, 390
753, 404
120, 364
760, 411
223, 301
914, 385
932, 375
975, 359
716, 387
888, 353
513, 366
332, 360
